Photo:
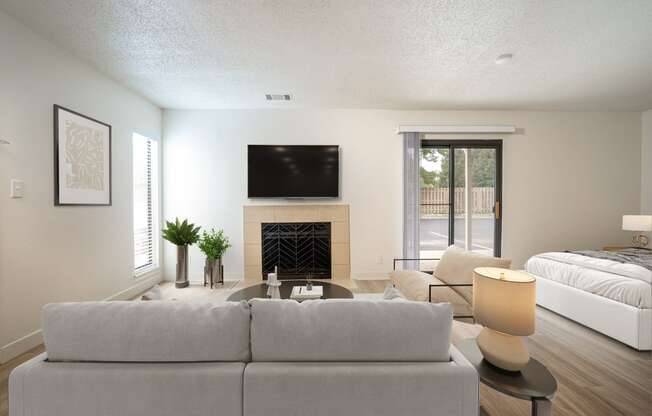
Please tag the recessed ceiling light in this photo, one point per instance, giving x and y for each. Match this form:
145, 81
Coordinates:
504, 58
278, 97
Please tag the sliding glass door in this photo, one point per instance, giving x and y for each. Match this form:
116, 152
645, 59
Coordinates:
460, 196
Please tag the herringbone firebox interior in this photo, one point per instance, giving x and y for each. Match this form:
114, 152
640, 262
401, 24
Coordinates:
297, 249
307, 243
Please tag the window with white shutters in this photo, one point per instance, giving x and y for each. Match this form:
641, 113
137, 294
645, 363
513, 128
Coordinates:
145, 157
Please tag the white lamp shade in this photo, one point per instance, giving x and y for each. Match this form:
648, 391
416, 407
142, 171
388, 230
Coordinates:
504, 300
637, 222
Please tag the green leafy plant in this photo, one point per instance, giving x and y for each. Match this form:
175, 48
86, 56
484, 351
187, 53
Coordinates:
181, 233
214, 244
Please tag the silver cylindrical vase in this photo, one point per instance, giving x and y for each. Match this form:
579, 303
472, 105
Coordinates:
182, 267
213, 271
218, 271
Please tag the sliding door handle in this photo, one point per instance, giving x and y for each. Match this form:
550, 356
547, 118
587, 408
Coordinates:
497, 210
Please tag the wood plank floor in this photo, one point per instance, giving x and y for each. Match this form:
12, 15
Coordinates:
596, 375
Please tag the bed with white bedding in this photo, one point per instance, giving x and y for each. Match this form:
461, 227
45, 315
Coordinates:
602, 290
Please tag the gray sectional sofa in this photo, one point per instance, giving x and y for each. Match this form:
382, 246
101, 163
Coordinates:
265, 357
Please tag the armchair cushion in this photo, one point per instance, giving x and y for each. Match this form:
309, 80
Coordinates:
415, 286
457, 265
412, 284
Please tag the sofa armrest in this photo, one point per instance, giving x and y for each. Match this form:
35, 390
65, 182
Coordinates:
470, 382
458, 358
17, 384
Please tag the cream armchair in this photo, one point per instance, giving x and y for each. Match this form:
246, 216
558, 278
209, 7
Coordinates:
451, 281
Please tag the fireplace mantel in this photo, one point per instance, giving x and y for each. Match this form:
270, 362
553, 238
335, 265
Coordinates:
336, 215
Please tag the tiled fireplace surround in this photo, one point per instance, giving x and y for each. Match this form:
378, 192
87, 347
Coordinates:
337, 215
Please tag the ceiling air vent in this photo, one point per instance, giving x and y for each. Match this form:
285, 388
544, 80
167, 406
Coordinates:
278, 97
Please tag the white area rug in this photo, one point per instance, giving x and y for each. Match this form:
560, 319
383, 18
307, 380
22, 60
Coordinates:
370, 296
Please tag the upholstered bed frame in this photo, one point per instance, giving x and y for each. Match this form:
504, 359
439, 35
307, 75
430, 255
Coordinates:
625, 323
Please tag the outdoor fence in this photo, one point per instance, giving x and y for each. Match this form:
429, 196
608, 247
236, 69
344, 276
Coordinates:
483, 201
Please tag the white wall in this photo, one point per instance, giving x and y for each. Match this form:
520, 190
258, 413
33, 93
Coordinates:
48, 253
568, 177
646, 162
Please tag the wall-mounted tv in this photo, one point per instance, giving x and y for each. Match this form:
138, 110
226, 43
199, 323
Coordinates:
304, 171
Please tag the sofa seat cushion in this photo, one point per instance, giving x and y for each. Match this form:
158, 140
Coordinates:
349, 330
44, 388
360, 389
456, 266
163, 331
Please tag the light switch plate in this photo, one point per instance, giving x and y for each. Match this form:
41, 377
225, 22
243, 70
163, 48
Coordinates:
17, 188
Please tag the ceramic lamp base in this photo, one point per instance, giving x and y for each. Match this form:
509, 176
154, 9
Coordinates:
640, 240
502, 350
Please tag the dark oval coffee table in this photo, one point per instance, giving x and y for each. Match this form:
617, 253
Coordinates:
331, 290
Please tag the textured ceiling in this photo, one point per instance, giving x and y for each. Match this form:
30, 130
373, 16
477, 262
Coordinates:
410, 54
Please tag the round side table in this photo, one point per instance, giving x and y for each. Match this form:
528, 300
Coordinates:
534, 383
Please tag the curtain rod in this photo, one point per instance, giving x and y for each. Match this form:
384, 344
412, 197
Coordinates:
454, 128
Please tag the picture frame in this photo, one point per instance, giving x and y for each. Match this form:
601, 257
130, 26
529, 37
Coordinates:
82, 159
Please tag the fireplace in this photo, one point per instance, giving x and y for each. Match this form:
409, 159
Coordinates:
336, 215
298, 249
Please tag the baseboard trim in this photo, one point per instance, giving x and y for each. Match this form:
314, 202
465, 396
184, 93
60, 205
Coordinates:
143, 283
34, 339
21, 346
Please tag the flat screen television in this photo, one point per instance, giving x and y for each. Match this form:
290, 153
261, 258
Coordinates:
281, 171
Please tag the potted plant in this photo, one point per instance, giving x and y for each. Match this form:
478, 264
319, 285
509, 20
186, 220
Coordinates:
181, 234
214, 244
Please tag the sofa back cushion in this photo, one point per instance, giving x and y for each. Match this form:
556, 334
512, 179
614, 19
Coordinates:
349, 330
163, 331
457, 265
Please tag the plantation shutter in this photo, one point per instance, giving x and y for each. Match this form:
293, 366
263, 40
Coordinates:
144, 159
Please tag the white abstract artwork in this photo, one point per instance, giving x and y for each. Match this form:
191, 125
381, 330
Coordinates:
83, 159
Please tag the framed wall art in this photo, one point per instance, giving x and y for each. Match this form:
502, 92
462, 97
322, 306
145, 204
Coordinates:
82, 159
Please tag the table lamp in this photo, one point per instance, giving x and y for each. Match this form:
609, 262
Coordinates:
504, 303
638, 223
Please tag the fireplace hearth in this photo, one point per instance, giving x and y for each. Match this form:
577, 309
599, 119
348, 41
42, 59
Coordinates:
298, 249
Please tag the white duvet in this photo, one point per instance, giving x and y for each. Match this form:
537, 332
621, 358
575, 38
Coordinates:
622, 282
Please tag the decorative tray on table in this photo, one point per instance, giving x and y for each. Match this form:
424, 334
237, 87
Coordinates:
302, 292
